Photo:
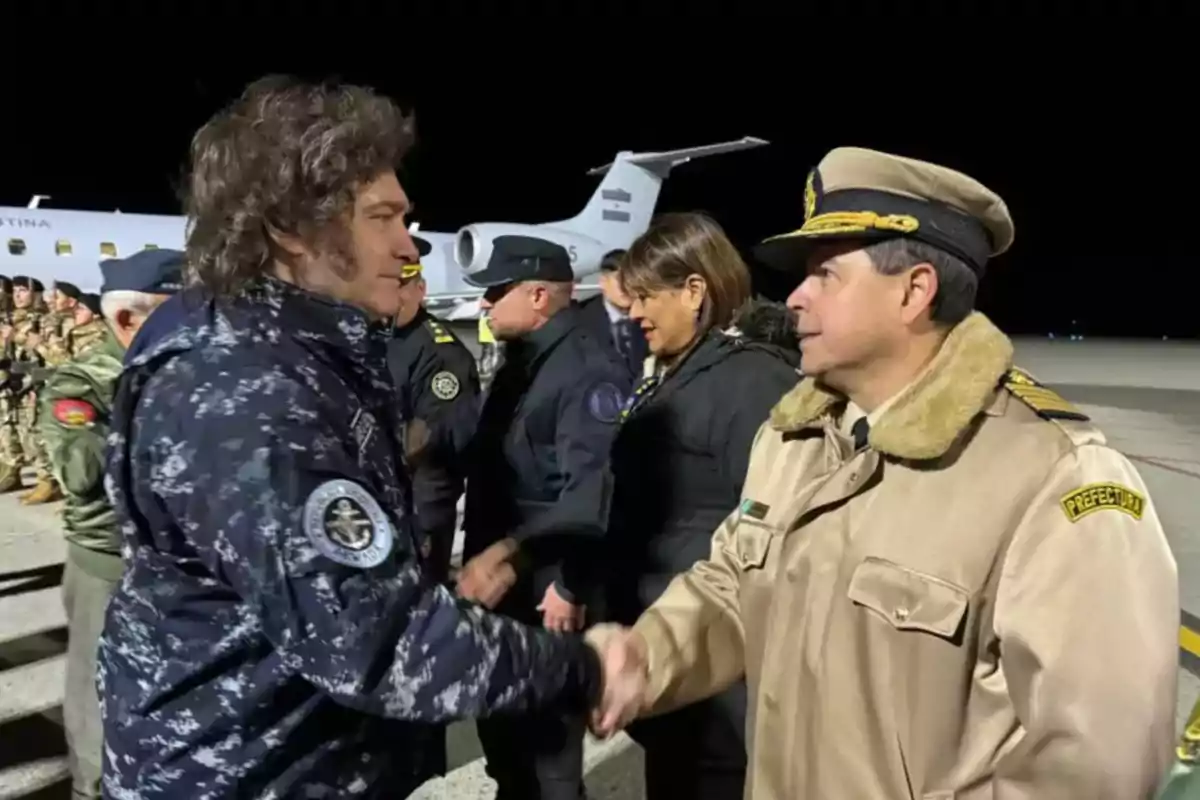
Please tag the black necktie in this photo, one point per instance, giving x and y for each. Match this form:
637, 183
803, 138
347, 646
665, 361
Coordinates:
860, 430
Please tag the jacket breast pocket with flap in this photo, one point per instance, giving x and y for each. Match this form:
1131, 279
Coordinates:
907, 599
751, 544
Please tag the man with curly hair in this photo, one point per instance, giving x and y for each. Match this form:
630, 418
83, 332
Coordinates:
275, 634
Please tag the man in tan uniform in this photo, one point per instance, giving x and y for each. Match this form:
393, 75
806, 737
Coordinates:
941, 582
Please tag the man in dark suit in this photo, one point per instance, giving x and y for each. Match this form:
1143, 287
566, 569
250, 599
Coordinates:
607, 315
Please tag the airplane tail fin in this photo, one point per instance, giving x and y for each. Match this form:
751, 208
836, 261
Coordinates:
622, 205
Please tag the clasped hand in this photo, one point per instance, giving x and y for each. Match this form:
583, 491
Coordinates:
487, 577
623, 658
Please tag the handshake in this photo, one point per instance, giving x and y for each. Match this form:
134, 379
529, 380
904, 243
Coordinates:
626, 677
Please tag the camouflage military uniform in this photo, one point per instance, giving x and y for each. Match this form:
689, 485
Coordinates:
54, 348
76, 402
5, 297
51, 331
17, 405
82, 338
10, 461
274, 634
52, 351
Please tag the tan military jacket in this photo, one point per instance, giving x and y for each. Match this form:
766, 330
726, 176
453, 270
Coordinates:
980, 604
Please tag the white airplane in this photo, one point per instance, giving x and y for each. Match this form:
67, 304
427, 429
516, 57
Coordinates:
69, 245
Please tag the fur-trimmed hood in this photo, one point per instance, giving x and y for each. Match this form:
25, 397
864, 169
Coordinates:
928, 416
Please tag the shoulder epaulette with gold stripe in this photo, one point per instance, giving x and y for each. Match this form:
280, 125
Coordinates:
1048, 403
440, 335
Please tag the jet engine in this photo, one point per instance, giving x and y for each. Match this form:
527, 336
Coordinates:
473, 245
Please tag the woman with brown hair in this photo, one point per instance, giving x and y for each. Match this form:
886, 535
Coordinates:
718, 363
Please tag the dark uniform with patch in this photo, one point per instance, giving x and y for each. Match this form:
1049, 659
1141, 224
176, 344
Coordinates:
437, 384
274, 634
538, 474
437, 390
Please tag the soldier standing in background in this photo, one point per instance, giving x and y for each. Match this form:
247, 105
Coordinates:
52, 349
55, 322
5, 297
17, 399
438, 388
88, 326
51, 316
10, 476
76, 402
57, 326
5, 338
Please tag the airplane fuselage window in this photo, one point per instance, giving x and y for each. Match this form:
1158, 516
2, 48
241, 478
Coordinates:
108, 249
16, 247
62, 247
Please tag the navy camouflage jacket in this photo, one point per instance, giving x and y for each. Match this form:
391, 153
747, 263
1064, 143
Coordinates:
274, 634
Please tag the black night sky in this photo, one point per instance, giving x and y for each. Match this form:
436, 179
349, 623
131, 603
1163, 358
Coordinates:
1098, 177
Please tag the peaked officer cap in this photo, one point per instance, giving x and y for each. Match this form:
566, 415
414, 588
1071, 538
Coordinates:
855, 193
523, 258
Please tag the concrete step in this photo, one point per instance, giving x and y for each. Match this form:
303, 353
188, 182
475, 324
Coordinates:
33, 612
22, 780
34, 688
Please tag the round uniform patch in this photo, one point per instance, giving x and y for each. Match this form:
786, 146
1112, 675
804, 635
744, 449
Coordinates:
347, 525
445, 385
605, 402
74, 413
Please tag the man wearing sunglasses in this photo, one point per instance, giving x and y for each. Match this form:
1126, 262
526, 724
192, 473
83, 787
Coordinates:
538, 488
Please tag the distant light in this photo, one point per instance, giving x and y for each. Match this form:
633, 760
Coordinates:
1050, 335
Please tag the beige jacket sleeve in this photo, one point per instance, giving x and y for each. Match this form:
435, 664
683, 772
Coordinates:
693, 632
1087, 615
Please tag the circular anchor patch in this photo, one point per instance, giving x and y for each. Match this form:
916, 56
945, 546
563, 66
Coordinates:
347, 525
